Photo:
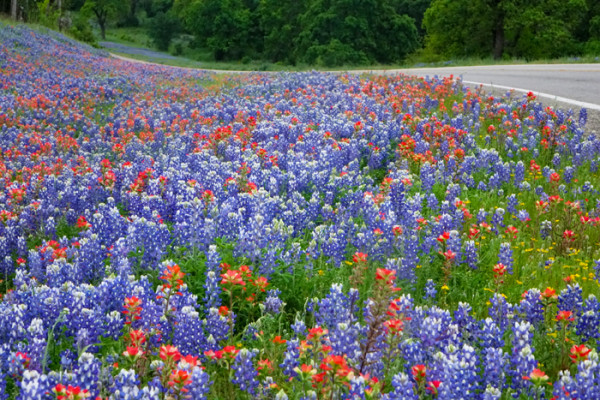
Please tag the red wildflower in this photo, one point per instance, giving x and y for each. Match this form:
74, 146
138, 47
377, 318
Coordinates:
232, 277
579, 353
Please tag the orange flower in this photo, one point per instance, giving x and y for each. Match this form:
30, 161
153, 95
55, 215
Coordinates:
394, 326
499, 270
418, 372
261, 283
548, 294
579, 353
133, 352
449, 255
232, 277
359, 257
169, 352
386, 275
537, 377
278, 340
566, 316
443, 237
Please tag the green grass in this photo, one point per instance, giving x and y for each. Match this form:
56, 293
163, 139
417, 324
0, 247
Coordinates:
132, 36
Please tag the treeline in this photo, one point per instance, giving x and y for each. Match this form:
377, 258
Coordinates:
343, 32
315, 32
529, 29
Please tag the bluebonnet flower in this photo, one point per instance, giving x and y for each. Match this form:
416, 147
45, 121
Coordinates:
495, 365
470, 252
481, 216
522, 359
427, 177
402, 273
490, 335
519, 173
500, 311
588, 323
466, 323
491, 393
88, 373
290, 358
432, 202
568, 175
403, 388
200, 385
571, 299
523, 215
565, 386
299, 327
34, 386
217, 326
36, 338
211, 286
3, 393
461, 374
556, 160
188, 332
505, 256
430, 290
454, 244
545, 229
512, 203
244, 372
334, 308
273, 303
531, 307
586, 378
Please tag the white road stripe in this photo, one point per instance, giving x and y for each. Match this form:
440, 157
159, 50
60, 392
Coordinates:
583, 104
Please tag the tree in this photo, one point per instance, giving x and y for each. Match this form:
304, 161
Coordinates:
162, 29
517, 28
223, 26
338, 32
458, 28
414, 9
13, 10
278, 19
104, 10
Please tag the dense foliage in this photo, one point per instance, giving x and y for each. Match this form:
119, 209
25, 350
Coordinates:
510, 28
167, 234
341, 32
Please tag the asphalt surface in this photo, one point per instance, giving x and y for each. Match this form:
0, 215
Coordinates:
123, 48
575, 84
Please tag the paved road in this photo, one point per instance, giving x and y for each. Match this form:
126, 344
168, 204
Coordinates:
123, 48
576, 84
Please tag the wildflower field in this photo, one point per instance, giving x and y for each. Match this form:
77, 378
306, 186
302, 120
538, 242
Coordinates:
174, 234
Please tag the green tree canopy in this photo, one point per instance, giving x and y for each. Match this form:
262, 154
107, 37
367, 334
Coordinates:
517, 28
103, 10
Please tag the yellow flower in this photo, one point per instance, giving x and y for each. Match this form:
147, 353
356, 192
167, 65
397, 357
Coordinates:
348, 262
445, 287
321, 272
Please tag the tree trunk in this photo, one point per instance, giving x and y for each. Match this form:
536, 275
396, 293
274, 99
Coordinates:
13, 10
499, 41
132, 9
101, 18
498, 15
